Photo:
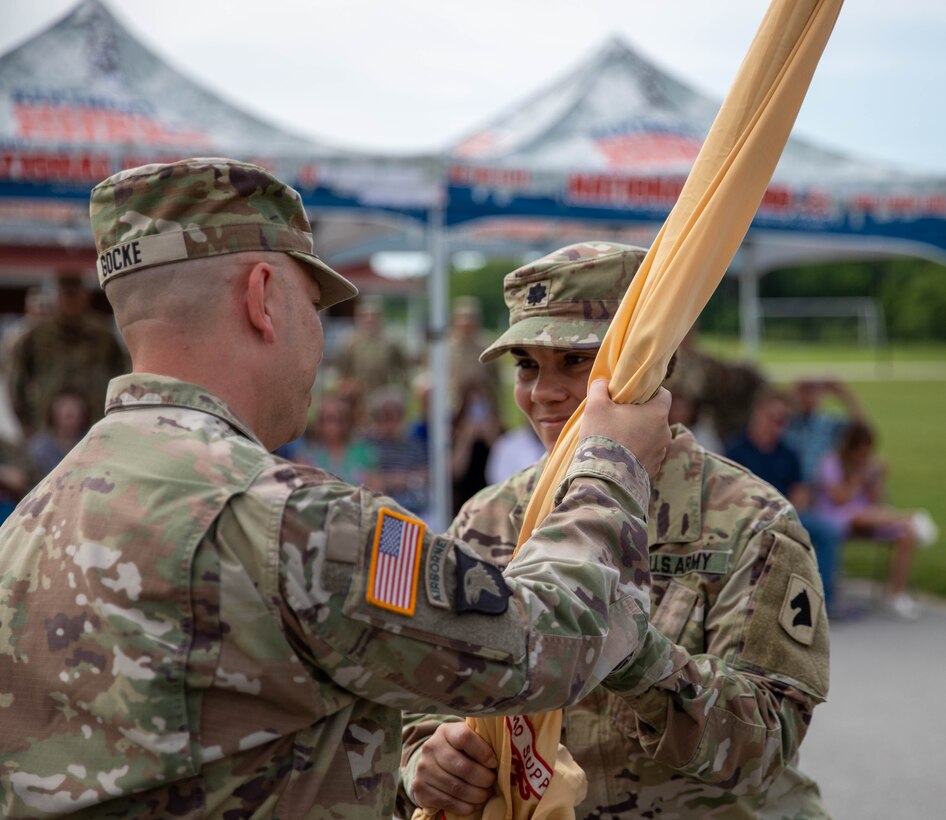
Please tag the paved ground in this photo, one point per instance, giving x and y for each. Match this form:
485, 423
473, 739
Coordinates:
878, 746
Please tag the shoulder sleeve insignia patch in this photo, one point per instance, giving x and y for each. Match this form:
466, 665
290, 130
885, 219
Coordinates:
801, 609
395, 562
481, 586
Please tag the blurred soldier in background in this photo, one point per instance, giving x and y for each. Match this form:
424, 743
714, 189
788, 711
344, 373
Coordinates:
369, 359
69, 349
36, 306
467, 341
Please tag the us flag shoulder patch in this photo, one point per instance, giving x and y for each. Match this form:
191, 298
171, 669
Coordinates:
395, 562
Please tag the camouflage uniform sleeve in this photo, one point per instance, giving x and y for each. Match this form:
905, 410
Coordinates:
740, 711
569, 607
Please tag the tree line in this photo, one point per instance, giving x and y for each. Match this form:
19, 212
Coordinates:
911, 292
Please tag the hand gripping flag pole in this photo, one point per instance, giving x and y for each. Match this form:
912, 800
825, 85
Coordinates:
685, 263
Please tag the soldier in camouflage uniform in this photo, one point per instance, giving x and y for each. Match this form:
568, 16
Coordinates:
464, 346
68, 350
369, 359
735, 586
193, 627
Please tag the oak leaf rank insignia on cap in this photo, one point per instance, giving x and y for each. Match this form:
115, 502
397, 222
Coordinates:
567, 298
538, 293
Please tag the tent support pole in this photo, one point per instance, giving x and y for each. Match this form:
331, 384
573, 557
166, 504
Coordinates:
749, 312
439, 370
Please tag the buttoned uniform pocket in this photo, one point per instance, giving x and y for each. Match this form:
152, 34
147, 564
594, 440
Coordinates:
675, 610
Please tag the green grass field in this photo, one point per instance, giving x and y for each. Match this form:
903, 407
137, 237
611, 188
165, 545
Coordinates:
775, 352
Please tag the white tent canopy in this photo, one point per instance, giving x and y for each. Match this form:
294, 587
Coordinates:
605, 152
84, 98
612, 142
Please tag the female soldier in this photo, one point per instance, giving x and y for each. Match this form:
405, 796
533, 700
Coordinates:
735, 586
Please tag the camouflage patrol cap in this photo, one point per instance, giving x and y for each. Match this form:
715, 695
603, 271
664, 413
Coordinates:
201, 207
567, 299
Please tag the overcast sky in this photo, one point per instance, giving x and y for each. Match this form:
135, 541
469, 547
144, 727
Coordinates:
415, 75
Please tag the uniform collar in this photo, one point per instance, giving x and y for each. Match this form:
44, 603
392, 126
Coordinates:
135, 390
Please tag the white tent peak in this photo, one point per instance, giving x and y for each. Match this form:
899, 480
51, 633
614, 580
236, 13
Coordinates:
130, 97
617, 112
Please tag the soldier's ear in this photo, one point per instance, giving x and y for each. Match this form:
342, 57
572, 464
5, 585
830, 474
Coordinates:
258, 299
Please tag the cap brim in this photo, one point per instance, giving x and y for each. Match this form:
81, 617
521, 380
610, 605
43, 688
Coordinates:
335, 287
546, 331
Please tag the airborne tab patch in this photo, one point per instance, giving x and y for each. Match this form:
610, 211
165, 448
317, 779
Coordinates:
481, 586
801, 609
395, 560
437, 573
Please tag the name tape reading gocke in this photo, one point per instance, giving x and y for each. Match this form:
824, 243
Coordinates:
142, 252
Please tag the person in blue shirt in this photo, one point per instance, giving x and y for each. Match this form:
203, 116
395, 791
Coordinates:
762, 449
813, 432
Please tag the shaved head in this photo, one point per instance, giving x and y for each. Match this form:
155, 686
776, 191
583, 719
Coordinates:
192, 295
184, 292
